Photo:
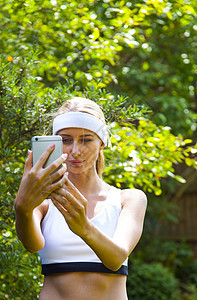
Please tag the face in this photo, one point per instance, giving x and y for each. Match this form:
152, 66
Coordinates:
82, 147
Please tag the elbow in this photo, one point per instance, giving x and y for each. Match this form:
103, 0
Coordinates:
32, 249
116, 263
114, 266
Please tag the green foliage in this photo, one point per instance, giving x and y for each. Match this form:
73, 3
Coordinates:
160, 70
142, 49
151, 282
191, 292
145, 155
24, 280
176, 256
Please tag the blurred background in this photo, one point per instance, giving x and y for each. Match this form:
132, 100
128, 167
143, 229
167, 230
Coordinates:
138, 61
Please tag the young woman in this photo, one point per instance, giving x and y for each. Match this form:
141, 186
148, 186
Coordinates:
86, 229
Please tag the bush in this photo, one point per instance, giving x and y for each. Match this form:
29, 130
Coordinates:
20, 271
151, 282
190, 292
178, 257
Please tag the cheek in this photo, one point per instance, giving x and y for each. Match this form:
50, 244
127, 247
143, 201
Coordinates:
66, 149
93, 155
90, 150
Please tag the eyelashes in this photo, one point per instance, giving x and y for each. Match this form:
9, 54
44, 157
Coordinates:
70, 141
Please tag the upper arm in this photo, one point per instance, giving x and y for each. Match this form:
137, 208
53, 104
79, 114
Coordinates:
40, 212
28, 228
131, 220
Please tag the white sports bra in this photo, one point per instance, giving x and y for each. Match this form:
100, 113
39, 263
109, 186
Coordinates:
64, 251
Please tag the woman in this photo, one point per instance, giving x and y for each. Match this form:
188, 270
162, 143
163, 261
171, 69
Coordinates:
86, 231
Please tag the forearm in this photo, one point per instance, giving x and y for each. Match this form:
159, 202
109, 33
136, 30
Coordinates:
109, 252
28, 231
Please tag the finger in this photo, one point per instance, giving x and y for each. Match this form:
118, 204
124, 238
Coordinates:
28, 162
56, 164
59, 206
56, 184
64, 202
58, 173
45, 155
64, 197
73, 190
69, 201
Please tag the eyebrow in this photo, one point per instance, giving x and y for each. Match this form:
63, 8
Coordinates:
83, 135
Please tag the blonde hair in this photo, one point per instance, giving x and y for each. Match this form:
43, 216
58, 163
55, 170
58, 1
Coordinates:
79, 104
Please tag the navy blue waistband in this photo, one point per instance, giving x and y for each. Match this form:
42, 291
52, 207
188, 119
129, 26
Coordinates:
81, 267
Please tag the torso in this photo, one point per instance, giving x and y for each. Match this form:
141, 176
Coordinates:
83, 285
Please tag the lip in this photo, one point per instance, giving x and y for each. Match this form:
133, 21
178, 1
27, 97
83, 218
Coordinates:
76, 162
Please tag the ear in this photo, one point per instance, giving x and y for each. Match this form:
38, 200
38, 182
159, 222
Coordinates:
102, 146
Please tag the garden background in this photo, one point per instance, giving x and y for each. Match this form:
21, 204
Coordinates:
138, 60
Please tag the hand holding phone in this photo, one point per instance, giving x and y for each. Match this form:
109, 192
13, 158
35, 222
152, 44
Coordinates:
39, 182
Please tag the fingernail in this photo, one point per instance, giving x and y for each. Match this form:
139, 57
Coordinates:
28, 153
52, 145
65, 155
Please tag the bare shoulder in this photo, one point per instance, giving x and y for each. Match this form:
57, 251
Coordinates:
133, 197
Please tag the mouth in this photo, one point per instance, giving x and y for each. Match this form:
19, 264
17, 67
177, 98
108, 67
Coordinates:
76, 162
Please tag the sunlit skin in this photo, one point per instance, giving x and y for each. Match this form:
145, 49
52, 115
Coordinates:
82, 147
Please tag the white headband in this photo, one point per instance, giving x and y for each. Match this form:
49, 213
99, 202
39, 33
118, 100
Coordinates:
81, 120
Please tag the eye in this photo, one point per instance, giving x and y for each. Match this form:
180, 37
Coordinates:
67, 140
86, 140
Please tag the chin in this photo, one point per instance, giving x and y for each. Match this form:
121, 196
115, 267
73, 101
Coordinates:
79, 170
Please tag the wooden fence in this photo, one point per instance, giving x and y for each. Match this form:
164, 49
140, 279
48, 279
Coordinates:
186, 228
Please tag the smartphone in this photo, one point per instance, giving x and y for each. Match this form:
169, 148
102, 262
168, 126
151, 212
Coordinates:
40, 143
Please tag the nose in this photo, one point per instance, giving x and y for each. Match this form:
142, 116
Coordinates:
75, 151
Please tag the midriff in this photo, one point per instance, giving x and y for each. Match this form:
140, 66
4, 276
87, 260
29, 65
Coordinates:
84, 286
